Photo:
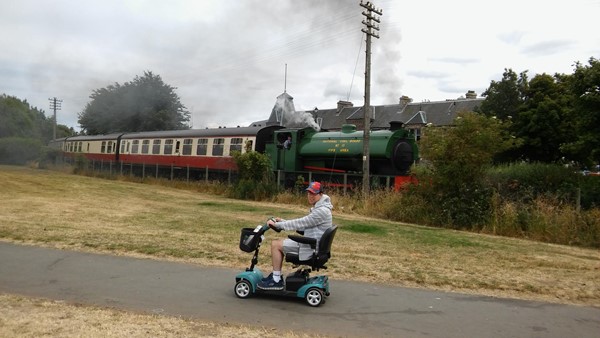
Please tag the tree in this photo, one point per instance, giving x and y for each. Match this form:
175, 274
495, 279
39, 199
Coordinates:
458, 158
585, 87
24, 130
539, 110
542, 122
144, 104
18, 119
504, 98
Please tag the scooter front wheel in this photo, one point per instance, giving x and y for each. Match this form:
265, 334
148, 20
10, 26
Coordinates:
314, 297
243, 289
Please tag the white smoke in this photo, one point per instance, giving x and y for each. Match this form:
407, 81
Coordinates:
290, 118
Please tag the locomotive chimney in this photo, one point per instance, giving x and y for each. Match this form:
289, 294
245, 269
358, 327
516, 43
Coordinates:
396, 125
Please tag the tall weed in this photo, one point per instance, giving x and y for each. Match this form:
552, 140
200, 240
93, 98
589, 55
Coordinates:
547, 220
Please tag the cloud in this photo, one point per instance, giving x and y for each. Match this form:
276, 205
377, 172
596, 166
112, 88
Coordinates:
511, 38
227, 57
549, 47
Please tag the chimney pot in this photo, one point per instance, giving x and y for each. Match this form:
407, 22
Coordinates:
404, 100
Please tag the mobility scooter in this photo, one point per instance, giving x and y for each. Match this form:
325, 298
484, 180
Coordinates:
299, 284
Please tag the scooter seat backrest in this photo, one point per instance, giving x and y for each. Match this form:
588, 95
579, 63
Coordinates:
323, 251
326, 241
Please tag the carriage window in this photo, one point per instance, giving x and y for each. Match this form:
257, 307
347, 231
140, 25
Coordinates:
122, 147
156, 147
79, 144
71, 147
187, 146
168, 147
201, 148
236, 144
134, 146
145, 146
218, 145
109, 148
102, 148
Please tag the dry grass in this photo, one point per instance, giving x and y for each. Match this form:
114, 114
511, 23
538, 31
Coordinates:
29, 317
82, 213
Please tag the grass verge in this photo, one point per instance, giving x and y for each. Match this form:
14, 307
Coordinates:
82, 213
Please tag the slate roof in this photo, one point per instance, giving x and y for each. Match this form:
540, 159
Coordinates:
438, 113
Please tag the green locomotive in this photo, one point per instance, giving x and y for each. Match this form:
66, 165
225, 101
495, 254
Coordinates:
392, 152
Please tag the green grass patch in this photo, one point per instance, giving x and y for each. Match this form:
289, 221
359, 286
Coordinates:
364, 228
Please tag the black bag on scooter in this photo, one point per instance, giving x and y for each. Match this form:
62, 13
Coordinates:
249, 240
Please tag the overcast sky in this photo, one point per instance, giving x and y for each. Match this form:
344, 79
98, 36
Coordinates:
227, 57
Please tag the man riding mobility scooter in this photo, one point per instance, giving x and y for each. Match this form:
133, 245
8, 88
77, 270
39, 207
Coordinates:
299, 283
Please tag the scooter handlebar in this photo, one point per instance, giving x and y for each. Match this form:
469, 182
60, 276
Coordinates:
273, 227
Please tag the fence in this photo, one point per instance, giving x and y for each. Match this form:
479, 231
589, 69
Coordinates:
341, 181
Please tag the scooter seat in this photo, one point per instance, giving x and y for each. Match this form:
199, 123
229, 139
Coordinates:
319, 257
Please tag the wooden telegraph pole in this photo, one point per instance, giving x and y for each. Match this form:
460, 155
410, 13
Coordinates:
54, 105
370, 31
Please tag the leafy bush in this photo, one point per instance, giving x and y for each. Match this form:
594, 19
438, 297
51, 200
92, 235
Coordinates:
590, 192
255, 176
523, 182
19, 150
48, 157
458, 159
254, 190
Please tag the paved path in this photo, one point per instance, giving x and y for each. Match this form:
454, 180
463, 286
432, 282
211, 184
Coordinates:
353, 309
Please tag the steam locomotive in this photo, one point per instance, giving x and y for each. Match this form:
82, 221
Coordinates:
326, 155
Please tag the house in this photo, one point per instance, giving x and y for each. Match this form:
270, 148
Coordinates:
414, 115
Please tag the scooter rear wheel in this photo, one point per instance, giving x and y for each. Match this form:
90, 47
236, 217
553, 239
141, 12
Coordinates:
243, 289
314, 297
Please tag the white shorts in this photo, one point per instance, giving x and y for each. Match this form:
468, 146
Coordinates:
290, 246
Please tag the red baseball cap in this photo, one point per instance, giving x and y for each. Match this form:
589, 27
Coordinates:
314, 187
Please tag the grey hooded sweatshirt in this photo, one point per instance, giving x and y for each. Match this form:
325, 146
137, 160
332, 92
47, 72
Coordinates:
314, 224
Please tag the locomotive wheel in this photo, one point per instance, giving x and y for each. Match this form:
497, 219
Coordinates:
314, 297
243, 289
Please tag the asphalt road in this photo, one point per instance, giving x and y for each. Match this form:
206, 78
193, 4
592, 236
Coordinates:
353, 309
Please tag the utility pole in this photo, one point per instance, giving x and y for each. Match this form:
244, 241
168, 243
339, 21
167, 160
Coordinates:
370, 31
54, 105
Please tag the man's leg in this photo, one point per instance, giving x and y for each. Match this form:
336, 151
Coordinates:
277, 258
277, 254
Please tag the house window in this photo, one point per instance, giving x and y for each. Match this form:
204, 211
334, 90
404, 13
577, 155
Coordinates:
201, 147
218, 145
